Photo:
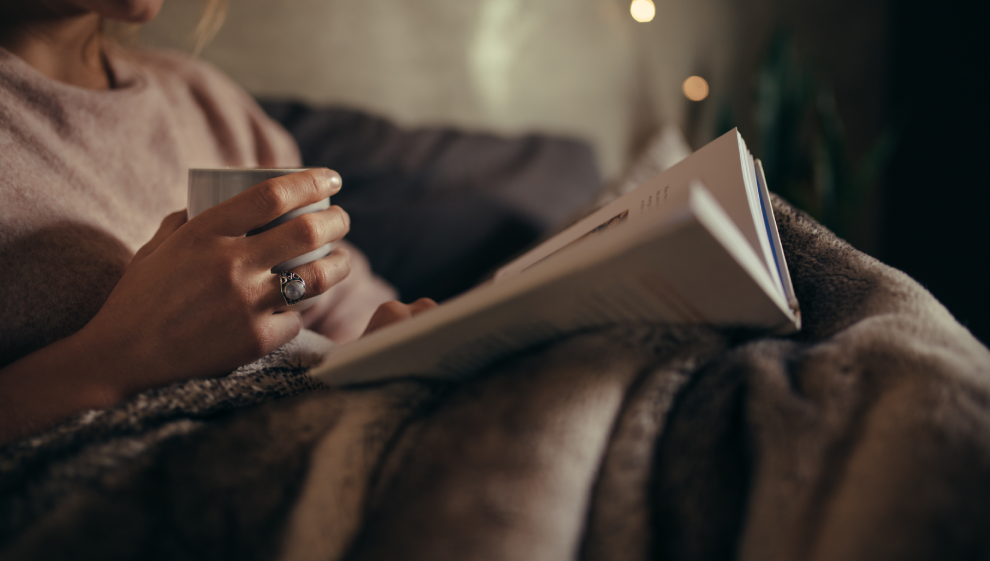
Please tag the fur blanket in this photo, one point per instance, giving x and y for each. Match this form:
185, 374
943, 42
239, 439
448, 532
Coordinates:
865, 436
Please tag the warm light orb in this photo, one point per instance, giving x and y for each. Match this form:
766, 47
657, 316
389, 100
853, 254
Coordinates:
643, 10
695, 88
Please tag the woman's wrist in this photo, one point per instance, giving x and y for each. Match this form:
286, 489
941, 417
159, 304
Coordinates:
53, 384
100, 373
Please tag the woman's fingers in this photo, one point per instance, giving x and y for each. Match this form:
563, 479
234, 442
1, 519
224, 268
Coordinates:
270, 199
169, 225
394, 311
386, 314
318, 275
298, 236
279, 329
421, 305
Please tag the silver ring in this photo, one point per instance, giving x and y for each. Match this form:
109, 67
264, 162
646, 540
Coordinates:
293, 287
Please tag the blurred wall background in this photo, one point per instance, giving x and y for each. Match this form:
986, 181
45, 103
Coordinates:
576, 67
586, 68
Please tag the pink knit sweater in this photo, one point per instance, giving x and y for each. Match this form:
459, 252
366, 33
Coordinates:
86, 177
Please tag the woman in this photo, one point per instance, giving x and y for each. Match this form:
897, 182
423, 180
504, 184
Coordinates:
94, 147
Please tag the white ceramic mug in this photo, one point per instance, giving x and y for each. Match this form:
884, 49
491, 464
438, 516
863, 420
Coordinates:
212, 186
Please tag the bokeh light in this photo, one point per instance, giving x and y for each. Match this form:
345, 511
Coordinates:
695, 88
643, 10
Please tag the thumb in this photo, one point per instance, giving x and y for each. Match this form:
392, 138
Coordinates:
171, 223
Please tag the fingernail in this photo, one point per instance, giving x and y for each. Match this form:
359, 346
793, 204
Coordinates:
334, 178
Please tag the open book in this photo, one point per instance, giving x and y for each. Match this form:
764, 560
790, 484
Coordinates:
695, 244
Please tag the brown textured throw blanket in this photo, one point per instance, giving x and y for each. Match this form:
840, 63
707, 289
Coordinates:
866, 436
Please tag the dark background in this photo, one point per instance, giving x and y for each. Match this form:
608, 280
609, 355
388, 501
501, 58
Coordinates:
919, 71
936, 201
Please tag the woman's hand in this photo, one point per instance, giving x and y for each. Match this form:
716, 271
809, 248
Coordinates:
199, 299
342, 312
393, 312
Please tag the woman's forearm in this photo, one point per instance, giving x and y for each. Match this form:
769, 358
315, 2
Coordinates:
53, 384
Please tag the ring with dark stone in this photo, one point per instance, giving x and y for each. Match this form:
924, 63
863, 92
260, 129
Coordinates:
293, 287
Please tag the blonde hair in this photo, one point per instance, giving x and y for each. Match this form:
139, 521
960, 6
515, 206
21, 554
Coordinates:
214, 14
210, 23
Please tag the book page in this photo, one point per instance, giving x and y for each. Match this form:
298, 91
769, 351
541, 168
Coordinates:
778, 250
759, 216
720, 166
